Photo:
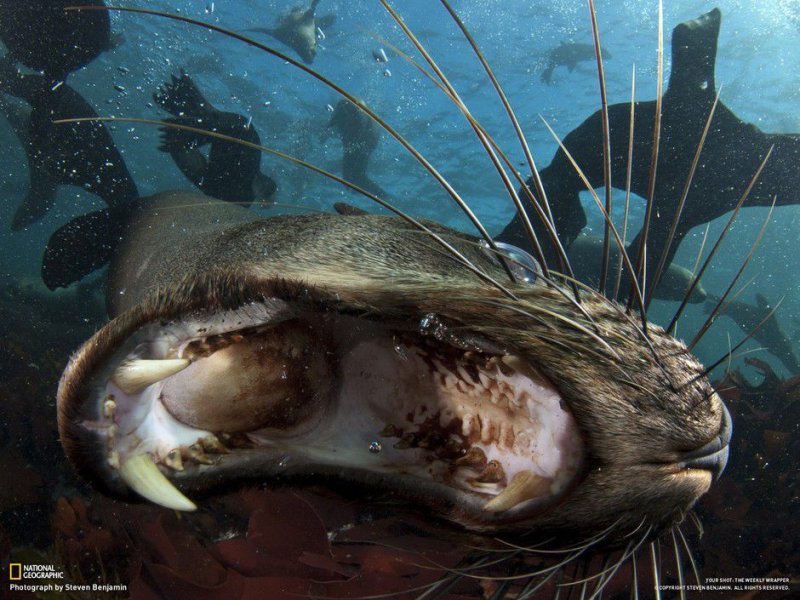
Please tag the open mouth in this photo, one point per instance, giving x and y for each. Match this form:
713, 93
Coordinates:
426, 412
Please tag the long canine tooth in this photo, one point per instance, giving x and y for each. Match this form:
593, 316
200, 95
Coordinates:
524, 486
134, 375
143, 477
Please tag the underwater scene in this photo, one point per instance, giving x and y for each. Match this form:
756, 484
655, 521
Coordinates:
399, 299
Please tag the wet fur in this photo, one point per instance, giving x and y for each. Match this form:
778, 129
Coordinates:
380, 268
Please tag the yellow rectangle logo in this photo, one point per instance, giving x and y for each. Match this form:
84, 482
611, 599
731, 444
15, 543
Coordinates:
15, 571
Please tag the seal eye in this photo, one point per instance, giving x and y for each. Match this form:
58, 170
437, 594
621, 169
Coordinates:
523, 266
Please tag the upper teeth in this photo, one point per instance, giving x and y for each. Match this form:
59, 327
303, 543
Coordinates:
133, 376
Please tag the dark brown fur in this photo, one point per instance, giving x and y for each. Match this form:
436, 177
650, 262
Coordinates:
637, 407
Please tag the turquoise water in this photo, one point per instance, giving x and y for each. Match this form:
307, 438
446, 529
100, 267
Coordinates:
291, 110
756, 69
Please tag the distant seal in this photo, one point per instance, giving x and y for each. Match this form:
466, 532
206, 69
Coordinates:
569, 54
760, 319
42, 190
232, 171
41, 35
298, 30
360, 136
733, 151
675, 282
80, 154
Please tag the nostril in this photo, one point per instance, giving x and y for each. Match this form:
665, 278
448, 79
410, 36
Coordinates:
713, 456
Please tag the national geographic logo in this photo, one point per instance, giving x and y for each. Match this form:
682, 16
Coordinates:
20, 572
39, 579
33, 578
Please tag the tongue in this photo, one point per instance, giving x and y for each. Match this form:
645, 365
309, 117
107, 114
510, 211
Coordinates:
272, 380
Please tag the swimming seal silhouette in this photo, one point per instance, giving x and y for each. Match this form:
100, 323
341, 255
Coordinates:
716, 187
232, 171
44, 37
762, 321
360, 136
43, 187
569, 54
81, 154
298, 30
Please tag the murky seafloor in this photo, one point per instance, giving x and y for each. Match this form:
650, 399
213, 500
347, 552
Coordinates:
265, 542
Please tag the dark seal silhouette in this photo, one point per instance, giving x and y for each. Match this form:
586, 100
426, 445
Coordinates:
43, 36
232, 171
360, 136
760, 319
80, 154
298, 30
732, 153
42, 187
569, 54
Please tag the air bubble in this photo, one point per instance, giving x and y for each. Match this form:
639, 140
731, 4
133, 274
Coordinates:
400, 350
375, 447
379, 54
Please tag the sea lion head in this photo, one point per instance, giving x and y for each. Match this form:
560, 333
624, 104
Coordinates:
356, 351
298, 29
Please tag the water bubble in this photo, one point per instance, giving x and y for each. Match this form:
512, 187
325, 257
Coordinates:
379, 54
387, 73
375, 447
329, 107
524, 267
400, 350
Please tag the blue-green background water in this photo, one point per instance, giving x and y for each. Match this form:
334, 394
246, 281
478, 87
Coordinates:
756, 68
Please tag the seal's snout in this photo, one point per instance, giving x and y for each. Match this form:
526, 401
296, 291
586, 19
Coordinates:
713, 456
